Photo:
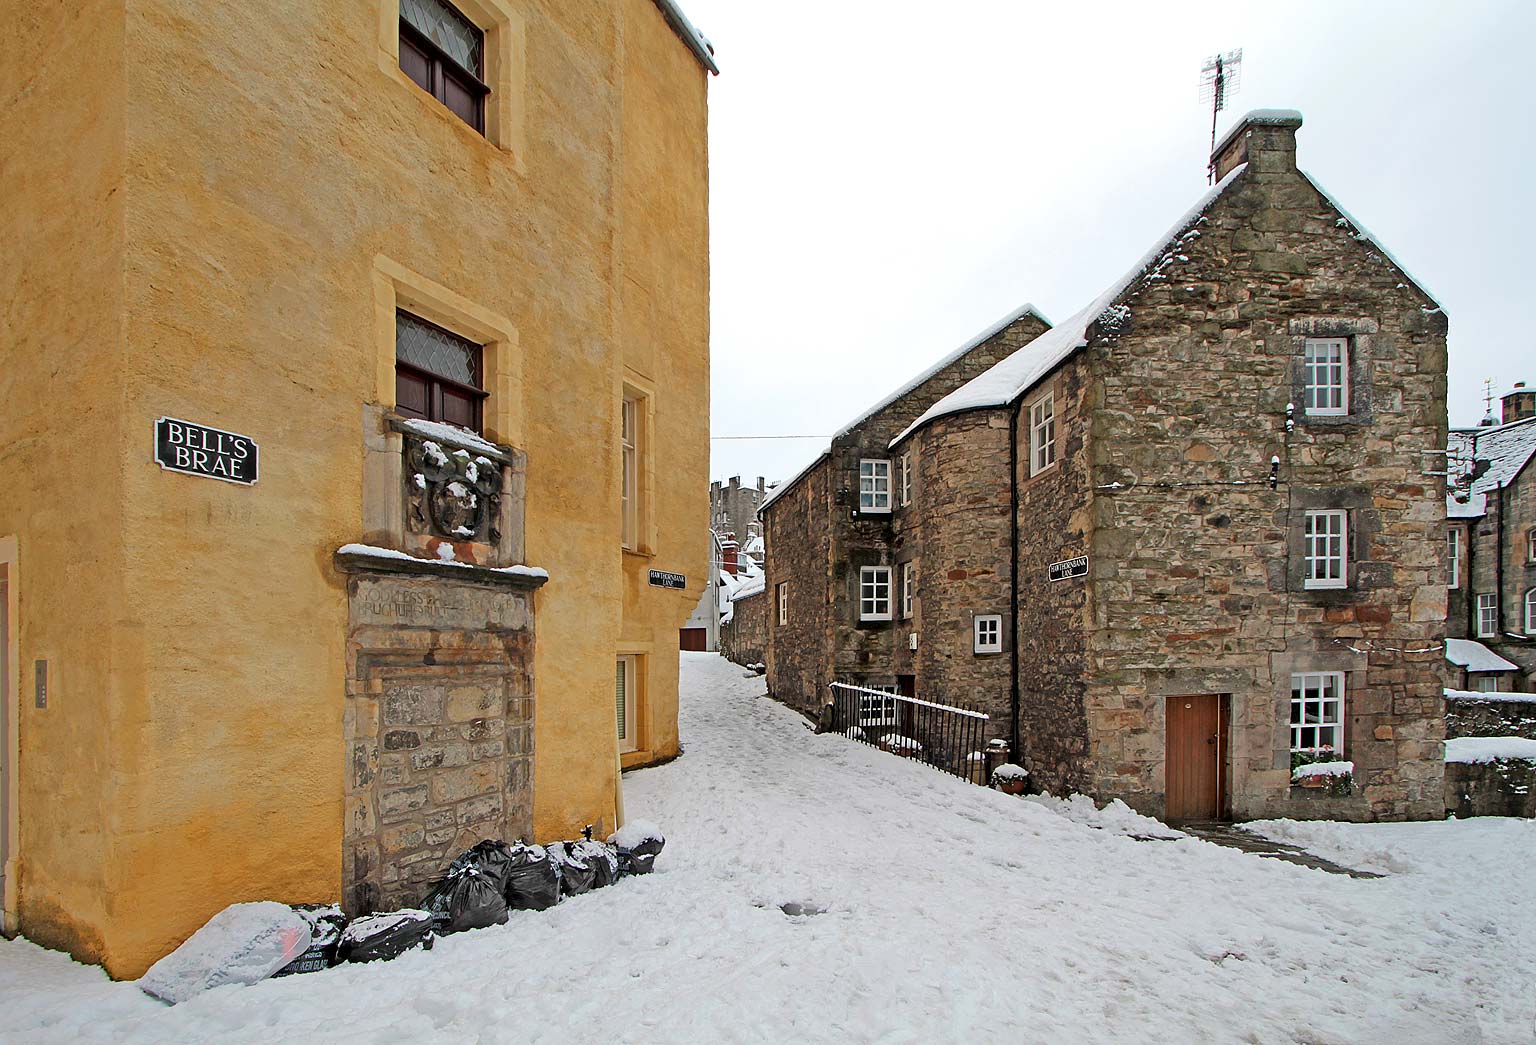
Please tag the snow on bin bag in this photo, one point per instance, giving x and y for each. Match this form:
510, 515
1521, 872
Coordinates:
533, 882
603, 859
576, 875
244, 943
380, 937
639, 842
325, 924
465, 898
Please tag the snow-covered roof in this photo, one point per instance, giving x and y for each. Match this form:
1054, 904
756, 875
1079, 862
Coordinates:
1506, 448
754, 586
782, 488
697, 42
1474, 656
1010, 378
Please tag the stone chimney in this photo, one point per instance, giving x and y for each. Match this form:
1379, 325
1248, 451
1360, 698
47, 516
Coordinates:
1265, 139
1518, 403
728, 560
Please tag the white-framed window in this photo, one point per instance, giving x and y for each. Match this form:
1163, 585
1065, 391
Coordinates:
1317, 712
781, 592
1530, 612
987, 630
874, 485
626, 698
1530, 546
631, 447
876, 709
1042, 433
1453, 553
875, 593
1326, 376
907, 589
906, 479
1327, 533
1488, 684
1487, 616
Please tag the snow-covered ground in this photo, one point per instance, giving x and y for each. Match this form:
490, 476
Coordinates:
950, 913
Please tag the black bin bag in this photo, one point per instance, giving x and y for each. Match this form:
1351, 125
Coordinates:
603, 859
638, 843
576, 874
492, 858
325, 925
380, 937
533, 883
464, 899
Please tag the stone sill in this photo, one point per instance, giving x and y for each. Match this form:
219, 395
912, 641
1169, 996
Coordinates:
361, 562
479, 446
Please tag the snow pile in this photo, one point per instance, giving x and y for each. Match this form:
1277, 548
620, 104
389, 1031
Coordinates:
1006, 771
452, 434
1323, 769
1474, 656
1503, 698
1351, 845
244, 943
1489, 749
897, 742
1117, 818
635, 833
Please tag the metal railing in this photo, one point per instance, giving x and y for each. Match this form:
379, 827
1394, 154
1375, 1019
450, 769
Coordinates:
948, 738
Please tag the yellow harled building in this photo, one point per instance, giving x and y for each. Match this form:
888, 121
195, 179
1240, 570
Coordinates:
354, 438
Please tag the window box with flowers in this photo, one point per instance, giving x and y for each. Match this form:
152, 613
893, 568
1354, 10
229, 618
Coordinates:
1322, 771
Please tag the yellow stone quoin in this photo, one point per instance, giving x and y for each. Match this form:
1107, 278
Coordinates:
212, 212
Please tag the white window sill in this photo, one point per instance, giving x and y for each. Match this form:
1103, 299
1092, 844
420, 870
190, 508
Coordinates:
1324, 585
873, 511
874, 618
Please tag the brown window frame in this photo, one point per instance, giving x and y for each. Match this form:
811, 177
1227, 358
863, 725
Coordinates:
441, 68
437, 382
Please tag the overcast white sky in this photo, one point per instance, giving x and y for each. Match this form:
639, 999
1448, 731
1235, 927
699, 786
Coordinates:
888, 179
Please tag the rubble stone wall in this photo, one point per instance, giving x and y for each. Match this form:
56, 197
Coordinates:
797, 539
1490, 718
439, 730
744, 638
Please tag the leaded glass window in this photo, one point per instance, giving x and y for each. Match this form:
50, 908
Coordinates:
444, 52
437, 373
456, 36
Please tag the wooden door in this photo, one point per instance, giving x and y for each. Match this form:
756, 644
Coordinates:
1197, 751
695, 640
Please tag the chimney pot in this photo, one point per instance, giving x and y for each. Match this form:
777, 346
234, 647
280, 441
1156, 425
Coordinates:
1265, 139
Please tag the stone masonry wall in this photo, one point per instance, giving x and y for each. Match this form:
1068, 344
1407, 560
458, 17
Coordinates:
744, 639
797, 539
1467, 717
956, 534
439, 728
1198, 582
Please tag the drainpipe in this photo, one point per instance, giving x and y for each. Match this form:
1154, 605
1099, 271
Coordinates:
1498, 574
1014, 751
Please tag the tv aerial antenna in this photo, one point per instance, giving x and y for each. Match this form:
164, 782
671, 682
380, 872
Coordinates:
1220, 77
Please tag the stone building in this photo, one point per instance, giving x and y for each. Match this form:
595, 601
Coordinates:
1491, 519
409, 301
733, 509
1176, 546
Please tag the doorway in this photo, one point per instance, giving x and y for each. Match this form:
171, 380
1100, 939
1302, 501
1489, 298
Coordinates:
1196, 766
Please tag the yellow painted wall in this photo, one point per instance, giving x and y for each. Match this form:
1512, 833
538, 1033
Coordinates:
262, 159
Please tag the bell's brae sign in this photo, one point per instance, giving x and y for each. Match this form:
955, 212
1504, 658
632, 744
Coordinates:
181, 446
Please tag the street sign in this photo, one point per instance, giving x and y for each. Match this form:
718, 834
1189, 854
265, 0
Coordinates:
663, 579
194, 449
1069, 568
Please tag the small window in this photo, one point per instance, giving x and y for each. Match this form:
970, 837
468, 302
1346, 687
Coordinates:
989, 633
1317, 713
626, 696
444, 52
629, 452
438, 374
907, 590
782, 593
1488, 684
877, 709
1487, 616
1042, 433
1530, 546
1326, 376
1453, 553
1530, 612
874, 485
1326, 559
875, 593
906, 479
